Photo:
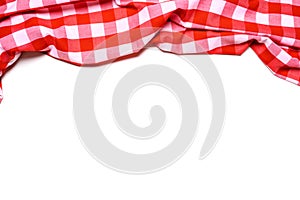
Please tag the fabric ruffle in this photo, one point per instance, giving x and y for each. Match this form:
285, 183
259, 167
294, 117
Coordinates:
92, 31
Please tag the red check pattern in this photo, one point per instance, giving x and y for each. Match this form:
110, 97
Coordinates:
92, 31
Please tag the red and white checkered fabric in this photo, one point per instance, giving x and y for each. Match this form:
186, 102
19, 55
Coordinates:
92, 31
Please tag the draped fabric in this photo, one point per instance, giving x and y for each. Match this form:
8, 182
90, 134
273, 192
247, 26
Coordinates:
92, 31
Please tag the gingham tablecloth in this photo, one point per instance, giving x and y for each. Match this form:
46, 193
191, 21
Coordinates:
93, 31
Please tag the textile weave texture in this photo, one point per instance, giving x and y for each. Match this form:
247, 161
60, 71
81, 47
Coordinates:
81, 31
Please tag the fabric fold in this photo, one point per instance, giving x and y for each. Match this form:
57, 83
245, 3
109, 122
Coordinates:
93, 31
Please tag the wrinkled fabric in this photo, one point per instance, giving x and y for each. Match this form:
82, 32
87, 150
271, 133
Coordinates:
92, 31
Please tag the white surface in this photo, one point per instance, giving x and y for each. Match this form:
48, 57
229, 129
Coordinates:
257, 157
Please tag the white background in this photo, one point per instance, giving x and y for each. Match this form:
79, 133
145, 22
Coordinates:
41, 155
